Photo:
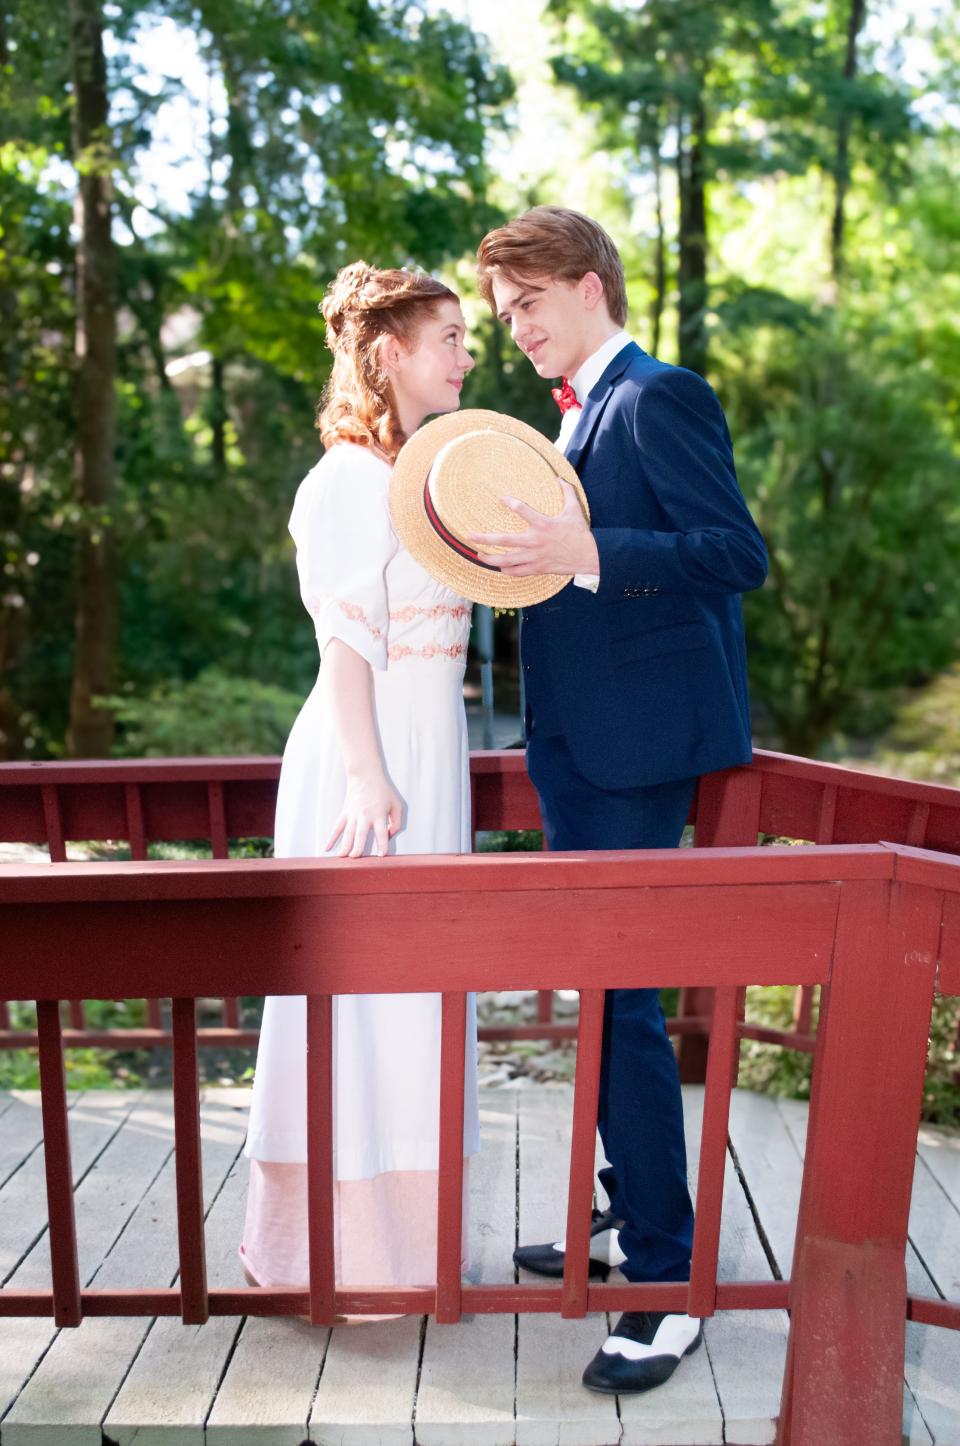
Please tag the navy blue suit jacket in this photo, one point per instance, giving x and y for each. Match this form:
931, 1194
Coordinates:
647, 678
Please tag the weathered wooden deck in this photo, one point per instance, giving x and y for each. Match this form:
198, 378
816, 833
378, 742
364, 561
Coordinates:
492, 1379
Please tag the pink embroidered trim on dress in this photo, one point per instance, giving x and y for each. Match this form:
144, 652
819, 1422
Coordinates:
356, 614
396, 651
436, 612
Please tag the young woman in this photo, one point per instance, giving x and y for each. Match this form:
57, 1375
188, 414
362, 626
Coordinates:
376, 763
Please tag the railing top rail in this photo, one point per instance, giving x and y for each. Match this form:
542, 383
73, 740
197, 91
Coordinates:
454, 873
140, 770
841, 776
508, 760
926, 866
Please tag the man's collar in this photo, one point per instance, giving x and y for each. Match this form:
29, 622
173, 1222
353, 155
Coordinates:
594, 367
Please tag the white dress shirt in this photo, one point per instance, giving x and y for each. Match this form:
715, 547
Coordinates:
583, 383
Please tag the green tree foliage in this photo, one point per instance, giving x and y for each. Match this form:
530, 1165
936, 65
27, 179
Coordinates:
844, 452
345, 128
727, 140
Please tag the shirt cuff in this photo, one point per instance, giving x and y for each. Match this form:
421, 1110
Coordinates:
589, 580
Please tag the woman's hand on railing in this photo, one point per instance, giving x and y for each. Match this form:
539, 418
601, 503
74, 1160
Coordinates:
370, 803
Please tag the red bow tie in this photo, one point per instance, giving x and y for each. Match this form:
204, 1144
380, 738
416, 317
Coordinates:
565, 397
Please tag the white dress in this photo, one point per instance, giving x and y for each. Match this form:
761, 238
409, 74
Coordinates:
359, 584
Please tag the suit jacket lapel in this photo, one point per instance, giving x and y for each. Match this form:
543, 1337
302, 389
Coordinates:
597, 400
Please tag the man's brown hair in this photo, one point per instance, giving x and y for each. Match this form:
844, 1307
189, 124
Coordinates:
551, 241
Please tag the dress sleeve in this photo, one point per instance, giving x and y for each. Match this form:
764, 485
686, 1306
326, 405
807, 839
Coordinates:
341, 525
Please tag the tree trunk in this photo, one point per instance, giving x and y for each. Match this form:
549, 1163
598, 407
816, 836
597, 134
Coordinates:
692, 264
217, 413
855, 22
660, 253
90, 732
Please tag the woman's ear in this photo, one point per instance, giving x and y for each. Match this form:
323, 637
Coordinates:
391, 352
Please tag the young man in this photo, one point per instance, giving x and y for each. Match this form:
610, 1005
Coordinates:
636, 684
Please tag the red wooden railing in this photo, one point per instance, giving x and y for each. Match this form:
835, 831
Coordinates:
217, 799
875, 926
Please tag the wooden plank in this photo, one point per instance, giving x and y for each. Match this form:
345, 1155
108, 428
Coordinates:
769, 1137
71, 1389
933, 1354
553, 1408
23, 1202
747, 1349
22, 1131
931, 1398
686, 1408
466, 1386
367, 1389
172, 1384
772, 1162
264, 1398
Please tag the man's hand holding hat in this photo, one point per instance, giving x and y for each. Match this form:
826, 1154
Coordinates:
562, 544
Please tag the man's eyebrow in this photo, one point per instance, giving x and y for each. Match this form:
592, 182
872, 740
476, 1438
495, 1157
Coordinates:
516, 300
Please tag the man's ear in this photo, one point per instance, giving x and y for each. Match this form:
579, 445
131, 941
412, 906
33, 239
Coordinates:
592, 289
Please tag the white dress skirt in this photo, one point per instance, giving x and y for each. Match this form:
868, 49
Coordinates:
360, 584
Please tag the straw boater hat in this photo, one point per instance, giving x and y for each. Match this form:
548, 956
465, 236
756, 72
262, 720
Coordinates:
447, 483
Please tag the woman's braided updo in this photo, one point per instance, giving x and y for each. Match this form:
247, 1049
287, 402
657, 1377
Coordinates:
363, 306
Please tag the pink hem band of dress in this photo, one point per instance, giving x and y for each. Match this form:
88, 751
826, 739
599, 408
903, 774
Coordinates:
385, 1228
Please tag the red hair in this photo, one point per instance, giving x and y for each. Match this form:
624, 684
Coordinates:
363, 306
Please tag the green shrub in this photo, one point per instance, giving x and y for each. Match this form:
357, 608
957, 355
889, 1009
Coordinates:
213, 713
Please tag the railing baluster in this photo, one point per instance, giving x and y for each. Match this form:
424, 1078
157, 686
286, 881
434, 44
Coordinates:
721, 1064
583, 1147
217, 814
65, 1267
917, 827
450, 1184
320, 1188
136, 832
195, 1307
4, 1014
219, 845
137, 838
53, 822
827, 818
803, 1008
544, 1006
56, 843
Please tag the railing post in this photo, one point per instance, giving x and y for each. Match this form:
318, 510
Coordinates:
586, 1096
65, 1269
728, 816
195, 1306
453, 1043
843, 1382
320, 1177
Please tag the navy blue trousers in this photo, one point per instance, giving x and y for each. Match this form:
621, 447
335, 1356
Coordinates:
640, 1112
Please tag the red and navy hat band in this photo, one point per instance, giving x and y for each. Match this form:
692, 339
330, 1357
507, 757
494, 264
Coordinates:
446, 536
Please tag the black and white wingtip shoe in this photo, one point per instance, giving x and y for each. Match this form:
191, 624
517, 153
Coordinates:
643, 1351
605, 1252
